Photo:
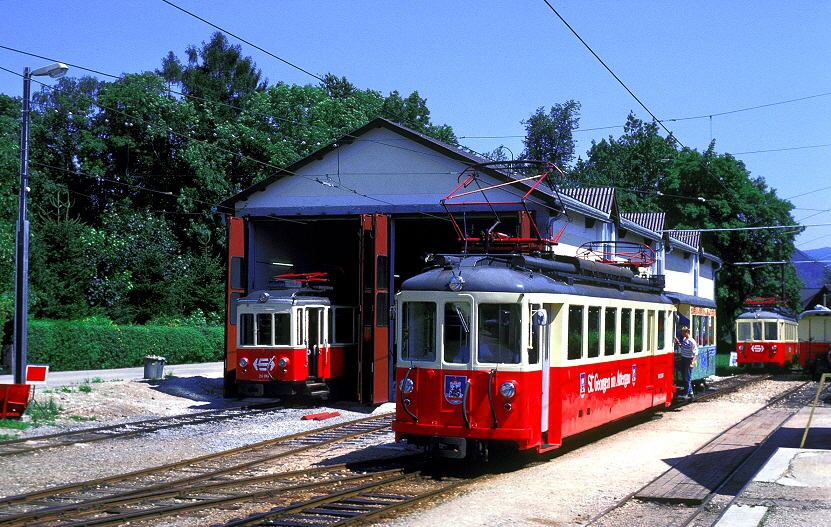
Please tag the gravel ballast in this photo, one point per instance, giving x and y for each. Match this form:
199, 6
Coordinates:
559, 489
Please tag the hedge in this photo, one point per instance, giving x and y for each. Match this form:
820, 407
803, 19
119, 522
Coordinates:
81, 345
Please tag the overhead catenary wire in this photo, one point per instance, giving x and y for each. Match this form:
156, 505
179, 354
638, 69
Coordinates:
347, 189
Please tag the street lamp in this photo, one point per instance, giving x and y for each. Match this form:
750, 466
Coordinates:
21, 298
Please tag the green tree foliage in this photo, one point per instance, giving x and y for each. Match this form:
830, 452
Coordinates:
548, 137
701, 191
711, 191
126, 177
9, 181
216, 73
634, 164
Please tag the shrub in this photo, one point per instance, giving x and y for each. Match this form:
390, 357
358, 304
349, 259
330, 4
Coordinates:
98, 344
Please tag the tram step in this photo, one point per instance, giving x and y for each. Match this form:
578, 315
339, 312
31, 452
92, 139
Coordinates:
317, 389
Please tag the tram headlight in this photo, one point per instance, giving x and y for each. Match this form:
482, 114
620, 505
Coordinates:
507, 390
406, 385
457, 283
773, 347
283, 362
741, 347
243, 362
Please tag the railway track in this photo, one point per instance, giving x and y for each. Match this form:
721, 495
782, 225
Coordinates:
723, 386
683, 496
234, 478
87, 435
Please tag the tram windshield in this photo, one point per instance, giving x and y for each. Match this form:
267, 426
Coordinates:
264, 329
457, 332
499, 333
749, 331
418, 330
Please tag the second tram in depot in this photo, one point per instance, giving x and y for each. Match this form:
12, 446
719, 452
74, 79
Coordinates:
521, 351
291, 340
766, 333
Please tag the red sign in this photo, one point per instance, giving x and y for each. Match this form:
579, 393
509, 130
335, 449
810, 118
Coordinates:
36, 373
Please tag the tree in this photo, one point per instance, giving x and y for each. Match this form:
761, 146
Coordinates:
9, 181
548, 137
216, 73
634, 164
337, 88
711, 191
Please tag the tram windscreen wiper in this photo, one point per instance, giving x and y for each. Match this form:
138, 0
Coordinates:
462, 318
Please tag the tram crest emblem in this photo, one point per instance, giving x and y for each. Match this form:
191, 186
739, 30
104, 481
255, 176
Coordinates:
634, 374
582, 385
454, 388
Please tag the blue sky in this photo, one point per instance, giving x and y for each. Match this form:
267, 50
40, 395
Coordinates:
753, 76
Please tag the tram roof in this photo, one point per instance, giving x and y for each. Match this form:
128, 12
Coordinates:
487, 273
681, 298
759, 313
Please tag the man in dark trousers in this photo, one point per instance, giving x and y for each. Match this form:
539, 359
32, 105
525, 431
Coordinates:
688, 349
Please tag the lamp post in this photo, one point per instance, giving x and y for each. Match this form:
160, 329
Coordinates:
21, 298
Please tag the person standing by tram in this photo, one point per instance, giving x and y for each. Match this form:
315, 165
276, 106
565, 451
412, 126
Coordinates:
688, 349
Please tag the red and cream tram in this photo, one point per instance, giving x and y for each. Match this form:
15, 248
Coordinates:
815, 341
766, 333
525, 351
291, 340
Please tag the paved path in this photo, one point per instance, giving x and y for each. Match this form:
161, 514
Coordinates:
65, 378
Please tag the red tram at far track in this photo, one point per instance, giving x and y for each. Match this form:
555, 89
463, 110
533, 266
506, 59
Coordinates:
766, 333
521, 351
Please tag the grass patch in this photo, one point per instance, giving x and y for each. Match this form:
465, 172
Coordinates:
45, 410
7, 437
14, 424
85, 388
723, 368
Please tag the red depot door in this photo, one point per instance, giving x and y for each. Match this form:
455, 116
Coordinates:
375, 309
236, 279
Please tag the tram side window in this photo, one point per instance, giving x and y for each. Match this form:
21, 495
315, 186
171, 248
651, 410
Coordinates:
282, 329
299, 328
770, 331
457, 332
594, 332
575, 332
418, 331
246, 329
638, 330
625, 330
499, 333
662, 329
610, 337
264, 329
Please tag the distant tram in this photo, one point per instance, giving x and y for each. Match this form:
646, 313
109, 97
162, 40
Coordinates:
815, 341
766, 333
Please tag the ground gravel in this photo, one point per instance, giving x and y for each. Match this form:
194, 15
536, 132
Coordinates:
96, 404
561, 489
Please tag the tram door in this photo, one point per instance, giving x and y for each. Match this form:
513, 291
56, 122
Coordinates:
540, 323
313, 320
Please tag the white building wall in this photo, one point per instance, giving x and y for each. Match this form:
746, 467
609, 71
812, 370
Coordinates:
679, 273
577, 232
